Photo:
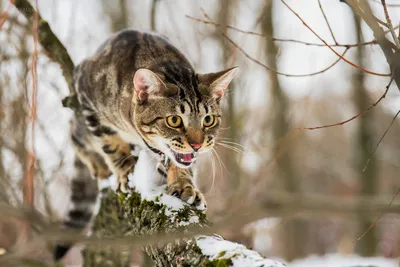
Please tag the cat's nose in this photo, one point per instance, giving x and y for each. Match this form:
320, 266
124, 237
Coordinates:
196, 146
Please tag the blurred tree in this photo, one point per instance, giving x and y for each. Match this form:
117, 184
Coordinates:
153, 15
226, 8
118, 13
364, 147
3, 183
294, 230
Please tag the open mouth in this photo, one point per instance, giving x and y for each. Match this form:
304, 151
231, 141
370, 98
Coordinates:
185, 158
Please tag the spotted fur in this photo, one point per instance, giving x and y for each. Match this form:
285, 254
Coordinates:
127, 89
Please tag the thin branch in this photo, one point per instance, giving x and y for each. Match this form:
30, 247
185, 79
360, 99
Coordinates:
30, 171
4, 14
379, 217
380, 140
381, 22
389, 5
390, 50
269, 68
54, 49
209, 22
327, 22
355, 116
333, 50
389, 23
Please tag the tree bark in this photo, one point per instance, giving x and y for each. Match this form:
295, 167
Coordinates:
123, 215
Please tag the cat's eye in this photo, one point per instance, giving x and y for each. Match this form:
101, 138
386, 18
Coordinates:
174, 121
209, 121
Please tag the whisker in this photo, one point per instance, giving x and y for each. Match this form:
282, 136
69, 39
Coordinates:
224, 128
221, 162
235, 149
220, 165
237, 144
213, 177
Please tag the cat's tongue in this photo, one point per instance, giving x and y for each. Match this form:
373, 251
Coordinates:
187, 157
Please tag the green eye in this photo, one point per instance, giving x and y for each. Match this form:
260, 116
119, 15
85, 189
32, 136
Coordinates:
209, 120
174, 121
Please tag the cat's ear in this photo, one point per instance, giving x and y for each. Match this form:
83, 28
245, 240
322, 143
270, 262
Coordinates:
147, 84
217, 82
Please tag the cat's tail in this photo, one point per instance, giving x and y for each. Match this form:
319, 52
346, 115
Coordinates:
82, 205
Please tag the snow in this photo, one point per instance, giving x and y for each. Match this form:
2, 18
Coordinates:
151, 185
216, 247
147, 181
337, 260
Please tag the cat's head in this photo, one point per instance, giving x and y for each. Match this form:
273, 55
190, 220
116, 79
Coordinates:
179, 116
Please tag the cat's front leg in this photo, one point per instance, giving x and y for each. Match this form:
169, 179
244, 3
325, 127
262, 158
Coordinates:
180, 184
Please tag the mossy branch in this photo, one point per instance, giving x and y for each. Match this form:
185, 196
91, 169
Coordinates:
135, 216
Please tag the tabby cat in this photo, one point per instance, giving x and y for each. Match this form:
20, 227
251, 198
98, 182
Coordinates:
139, 90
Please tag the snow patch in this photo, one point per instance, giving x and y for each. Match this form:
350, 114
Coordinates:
337, 260
217, 248
150, 184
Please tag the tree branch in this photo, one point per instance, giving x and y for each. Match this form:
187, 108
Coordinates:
391, 52
54, 49
137, 216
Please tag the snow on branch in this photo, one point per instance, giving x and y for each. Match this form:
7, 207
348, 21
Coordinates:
148, 213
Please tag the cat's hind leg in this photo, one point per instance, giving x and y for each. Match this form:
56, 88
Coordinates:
116, 152
86, 152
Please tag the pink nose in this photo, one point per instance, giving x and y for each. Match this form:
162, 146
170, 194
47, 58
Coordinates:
196, 146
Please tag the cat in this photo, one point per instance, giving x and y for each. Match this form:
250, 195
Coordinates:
139, 90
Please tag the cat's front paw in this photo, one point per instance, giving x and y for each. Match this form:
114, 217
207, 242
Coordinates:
122, 184
185, 190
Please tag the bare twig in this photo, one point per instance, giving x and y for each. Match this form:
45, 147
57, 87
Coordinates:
389, 23
390, 50
327, 22
379, 217
380, 140
389, 5
29, 175
209, 22
269, 68
4, 14
333, 50
355, 116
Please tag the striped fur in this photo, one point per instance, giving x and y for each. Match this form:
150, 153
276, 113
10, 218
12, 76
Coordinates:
127, 89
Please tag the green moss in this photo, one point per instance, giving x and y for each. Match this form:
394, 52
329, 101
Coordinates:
218, 263
202, 216
184, 214
134, 199
221, 254
197, 249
